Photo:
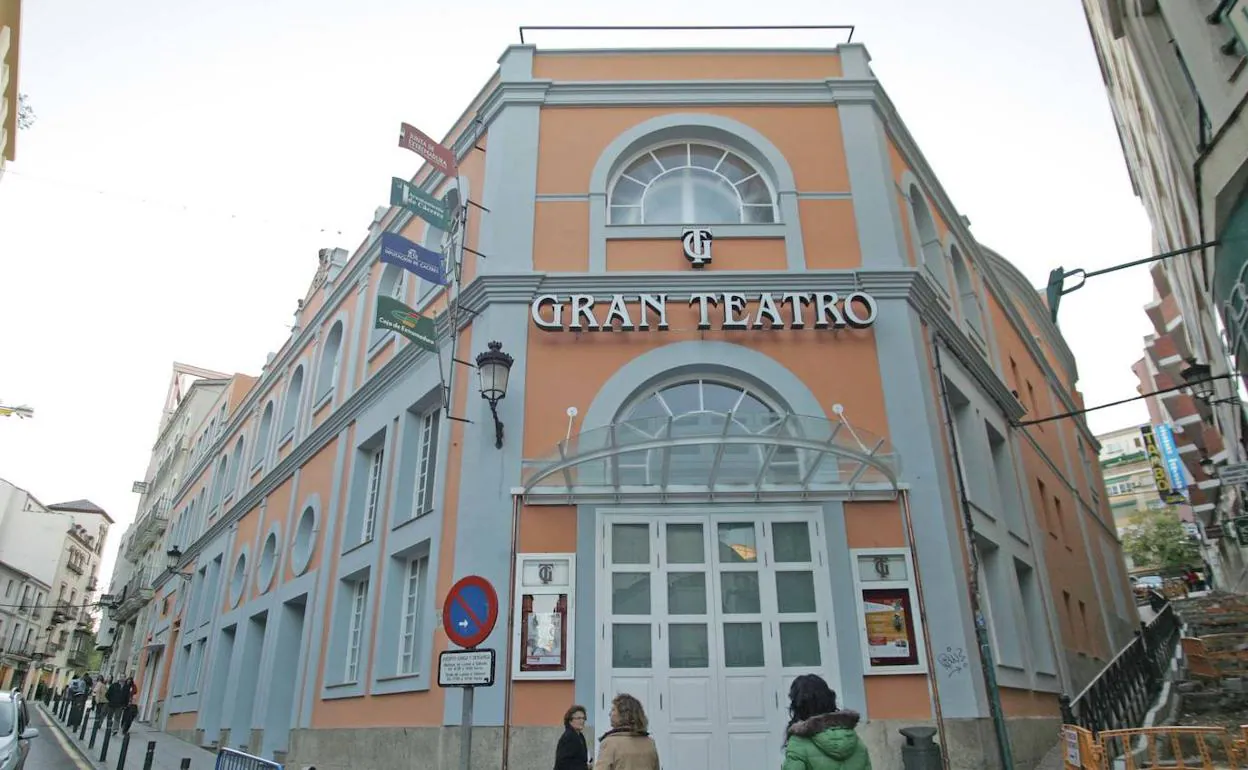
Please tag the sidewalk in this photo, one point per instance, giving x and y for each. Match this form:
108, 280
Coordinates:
169, 750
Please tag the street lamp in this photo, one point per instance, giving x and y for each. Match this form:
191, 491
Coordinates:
493, 369
174, 555
1199, 377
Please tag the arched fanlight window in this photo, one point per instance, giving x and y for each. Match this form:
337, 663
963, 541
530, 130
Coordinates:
691, 183
706, 408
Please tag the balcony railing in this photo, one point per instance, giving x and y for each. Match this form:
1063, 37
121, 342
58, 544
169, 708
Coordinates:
136, 594
63, 611
148, 529
1121, 695
77, 658
76, 567
20, 651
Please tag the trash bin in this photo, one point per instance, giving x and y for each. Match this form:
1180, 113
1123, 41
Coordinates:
919, 751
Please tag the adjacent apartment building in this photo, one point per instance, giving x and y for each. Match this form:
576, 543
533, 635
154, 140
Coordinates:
763, 394
1174, 74
192, 395
10, 47
49, 575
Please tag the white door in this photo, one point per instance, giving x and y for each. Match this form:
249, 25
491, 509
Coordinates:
706, 618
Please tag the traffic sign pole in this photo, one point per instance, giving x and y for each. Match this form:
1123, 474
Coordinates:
465, 731
468, 617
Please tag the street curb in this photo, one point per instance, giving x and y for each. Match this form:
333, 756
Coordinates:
73, 741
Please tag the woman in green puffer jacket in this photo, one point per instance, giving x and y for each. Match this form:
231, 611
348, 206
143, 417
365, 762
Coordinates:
819, 736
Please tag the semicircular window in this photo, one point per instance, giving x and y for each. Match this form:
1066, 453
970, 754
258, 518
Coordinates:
690, 183
718, 434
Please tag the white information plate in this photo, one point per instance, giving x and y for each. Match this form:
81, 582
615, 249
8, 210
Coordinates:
466, 668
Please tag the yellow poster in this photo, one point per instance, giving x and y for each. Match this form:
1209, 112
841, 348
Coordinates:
886, 628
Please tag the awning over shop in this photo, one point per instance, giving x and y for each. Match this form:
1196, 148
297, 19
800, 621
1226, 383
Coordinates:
718, 455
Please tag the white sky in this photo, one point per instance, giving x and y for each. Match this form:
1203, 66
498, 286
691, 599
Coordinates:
190, 158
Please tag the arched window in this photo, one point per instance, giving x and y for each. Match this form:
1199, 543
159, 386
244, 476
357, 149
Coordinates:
290, 409
927, 241
219, 482
236, 468
691, 183
968, 299
707, 408
391, 285
331, 355
262, 437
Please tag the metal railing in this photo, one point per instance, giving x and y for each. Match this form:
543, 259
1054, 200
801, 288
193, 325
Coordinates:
1121, 695
231, 759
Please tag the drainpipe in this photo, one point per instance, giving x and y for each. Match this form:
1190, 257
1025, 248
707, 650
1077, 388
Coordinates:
509, 684
927, 634
986, 663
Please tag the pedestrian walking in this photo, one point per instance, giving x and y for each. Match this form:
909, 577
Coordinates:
572, 753
99, 696
627, 745
118, 699
819, 736
129, 691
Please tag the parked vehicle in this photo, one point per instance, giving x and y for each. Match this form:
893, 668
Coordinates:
15, 731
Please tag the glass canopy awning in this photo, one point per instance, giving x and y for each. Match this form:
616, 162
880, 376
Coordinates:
720, 455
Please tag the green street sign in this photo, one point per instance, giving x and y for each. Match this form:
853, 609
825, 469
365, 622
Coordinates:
420, 203
394, 316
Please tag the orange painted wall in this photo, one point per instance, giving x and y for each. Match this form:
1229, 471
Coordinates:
1028, 703
572, 139
316, 477
698, 66
904, 696
874, 525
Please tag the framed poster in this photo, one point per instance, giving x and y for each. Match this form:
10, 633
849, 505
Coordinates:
889, 621
889, 631
545, 607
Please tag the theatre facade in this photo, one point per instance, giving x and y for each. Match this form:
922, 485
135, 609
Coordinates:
760, 421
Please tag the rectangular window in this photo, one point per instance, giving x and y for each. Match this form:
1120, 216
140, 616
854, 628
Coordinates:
1086, 632
428, 462
355, 633
1003, 478
1044, 506
1061, 520
1001, 616
373, 500
409, 643
1070, 620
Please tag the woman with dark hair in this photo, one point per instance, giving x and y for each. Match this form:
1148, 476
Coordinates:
571, 753
819, 736
627, 745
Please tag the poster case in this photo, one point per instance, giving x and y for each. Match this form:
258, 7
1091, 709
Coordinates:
890, 634
544, 616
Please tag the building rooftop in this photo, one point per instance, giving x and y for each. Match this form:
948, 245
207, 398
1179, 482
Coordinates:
81, 506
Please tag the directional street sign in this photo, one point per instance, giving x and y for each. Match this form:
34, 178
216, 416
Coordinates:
466, 668
470, 611
1234, 474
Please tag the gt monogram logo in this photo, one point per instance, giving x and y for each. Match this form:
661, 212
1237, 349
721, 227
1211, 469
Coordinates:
697, 243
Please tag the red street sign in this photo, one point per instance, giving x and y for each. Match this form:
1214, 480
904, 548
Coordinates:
412, 138
470, 611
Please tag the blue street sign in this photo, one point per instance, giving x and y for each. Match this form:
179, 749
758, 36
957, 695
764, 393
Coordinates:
470, 611
429, 265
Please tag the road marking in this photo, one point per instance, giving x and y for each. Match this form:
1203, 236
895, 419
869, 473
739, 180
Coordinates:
70, 750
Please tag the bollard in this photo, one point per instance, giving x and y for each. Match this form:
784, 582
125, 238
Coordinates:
94, 732
186, 764
149, 756
121, 754
104, 748
919, 752
82, 732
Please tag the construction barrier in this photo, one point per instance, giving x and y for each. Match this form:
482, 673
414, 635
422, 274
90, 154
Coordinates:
229, 759
1152, 748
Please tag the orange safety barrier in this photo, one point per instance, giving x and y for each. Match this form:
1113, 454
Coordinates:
1172, 748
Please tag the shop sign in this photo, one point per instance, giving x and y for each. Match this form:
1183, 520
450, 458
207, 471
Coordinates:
1161, 477
633, 312
697, 245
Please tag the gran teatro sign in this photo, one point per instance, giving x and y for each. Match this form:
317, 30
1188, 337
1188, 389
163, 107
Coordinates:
715, 310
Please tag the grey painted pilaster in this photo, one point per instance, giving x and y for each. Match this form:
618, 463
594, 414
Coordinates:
483, 515
853, 687
914, 422
586, 607
510, 187
871, 182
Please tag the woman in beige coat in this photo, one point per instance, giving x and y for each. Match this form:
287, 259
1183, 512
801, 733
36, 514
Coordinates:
627, 745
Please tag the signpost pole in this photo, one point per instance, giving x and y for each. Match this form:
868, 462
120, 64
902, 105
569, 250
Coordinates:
465, 731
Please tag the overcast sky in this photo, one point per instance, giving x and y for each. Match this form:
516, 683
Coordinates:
190, 158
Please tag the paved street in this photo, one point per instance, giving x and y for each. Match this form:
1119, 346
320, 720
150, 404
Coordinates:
48, 751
